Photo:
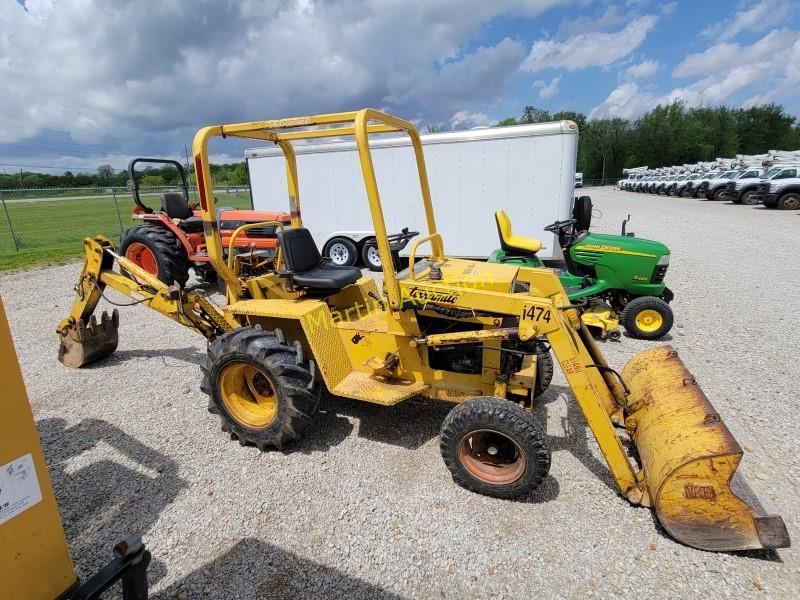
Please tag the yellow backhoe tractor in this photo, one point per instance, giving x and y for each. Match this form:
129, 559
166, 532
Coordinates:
468, 332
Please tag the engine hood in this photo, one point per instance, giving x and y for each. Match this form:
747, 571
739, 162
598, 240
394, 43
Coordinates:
622, 244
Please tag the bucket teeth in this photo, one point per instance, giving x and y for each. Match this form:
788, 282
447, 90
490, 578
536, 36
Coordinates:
82, 344
689, 459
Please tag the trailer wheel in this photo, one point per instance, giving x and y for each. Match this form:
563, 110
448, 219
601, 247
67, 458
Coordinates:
259, 386
493, 447
790, 201
156, 250
341, 251
647, 318
371, 257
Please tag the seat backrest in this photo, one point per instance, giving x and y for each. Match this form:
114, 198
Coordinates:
175, 205
503, 229
300, 251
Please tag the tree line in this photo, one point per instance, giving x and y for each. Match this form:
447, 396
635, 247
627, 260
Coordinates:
106, 176
672, 134
667, 135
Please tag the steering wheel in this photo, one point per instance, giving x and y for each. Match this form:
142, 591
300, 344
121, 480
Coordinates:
559, 226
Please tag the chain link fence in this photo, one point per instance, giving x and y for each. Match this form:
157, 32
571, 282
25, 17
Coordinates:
54, 218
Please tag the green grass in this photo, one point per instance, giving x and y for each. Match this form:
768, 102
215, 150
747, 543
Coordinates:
52, 231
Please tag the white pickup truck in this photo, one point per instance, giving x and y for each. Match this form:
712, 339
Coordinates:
782, 190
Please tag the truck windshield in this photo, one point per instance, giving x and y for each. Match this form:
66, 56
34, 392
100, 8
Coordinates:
771, 172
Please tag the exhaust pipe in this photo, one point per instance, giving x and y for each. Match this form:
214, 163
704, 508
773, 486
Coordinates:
689, 458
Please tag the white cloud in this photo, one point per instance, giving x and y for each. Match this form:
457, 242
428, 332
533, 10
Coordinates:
642, 70
132, 79
761, 16
464, 119
627, 100
547, 90
726, 72
726, 56
593, 49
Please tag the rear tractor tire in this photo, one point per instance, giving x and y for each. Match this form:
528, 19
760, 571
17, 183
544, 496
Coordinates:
647, 318
158, 251
493, 447
260, 387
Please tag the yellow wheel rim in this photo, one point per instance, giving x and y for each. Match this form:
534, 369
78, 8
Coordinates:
248, 394
649, 320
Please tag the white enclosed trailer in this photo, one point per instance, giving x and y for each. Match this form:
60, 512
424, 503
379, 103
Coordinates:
526, 170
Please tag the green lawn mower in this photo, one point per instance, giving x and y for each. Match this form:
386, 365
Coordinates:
614, 278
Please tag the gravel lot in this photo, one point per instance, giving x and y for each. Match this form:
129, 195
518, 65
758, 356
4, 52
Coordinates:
364, 506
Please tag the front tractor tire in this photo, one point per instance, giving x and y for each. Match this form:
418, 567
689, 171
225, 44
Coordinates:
493, 447
260, 387
647, 318
158, 251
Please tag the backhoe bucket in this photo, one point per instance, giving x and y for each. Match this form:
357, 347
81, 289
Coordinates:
82, 344
689, 459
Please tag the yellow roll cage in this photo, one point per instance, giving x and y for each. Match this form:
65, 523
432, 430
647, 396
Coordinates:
359, 124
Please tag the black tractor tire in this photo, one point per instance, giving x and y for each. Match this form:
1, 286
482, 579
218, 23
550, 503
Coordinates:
369, 257
634, 313
789, 201
493, 447
169, 253
345, 252
544, 369
582, 213
719, 194
288, 379
748, 198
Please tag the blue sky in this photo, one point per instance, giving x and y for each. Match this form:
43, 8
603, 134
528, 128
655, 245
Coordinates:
88, 82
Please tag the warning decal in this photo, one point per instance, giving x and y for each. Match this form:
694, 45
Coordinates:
19, 487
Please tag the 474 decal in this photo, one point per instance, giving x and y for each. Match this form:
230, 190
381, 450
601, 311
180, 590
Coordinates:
536, 313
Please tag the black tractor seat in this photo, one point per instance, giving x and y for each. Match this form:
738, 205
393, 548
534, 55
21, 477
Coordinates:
307, 268
176, 206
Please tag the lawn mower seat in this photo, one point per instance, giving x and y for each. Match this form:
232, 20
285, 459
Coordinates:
511, 244
176, 207
307, 267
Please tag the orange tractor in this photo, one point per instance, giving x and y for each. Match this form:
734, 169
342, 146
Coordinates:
171, 240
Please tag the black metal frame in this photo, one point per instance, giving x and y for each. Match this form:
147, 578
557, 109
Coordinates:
129, 566
157, 161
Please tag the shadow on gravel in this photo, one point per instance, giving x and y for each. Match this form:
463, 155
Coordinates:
104, 500
189, 354
576, 434
256, 569
409, 424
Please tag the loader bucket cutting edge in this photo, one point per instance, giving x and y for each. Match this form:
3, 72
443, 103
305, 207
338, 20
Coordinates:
82, 344
689, 458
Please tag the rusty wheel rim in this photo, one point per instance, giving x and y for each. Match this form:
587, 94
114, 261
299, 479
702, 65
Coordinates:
142, 256
491, 457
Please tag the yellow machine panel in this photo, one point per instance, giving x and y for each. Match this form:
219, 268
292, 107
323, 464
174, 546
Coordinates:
34, 557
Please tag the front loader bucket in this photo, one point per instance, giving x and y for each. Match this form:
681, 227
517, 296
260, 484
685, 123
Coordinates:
689, 459
82, 344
